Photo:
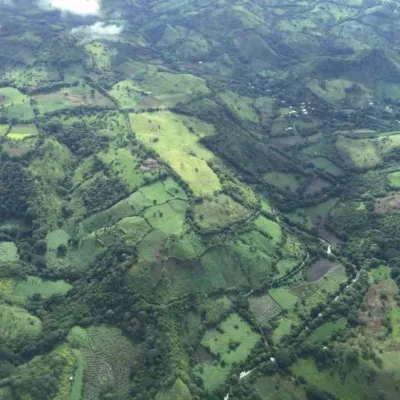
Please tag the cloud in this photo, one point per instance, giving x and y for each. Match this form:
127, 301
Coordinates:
99, 30
79, 7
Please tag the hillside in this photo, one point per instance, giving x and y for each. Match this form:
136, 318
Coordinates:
199, 200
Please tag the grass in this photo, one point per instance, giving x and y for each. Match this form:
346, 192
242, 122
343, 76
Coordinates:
57, 238
33, 76
185, 247
278, 387
177, 391
21, 132
380, 274
4, 128
164, 89
32, 285
156, 192
240, 106
368, 153
283, 181
98, 56
14, 104
168, 217
53, 162
313, 215
269, 228
394, 179
333, 91
176, 139
125, 165
233, 345
235, 330
8, 252
284, 298
324, 331
327, 166
260, 241
77, 384
17, 327
215, 308
219, 212
126, 94
284, 327
213, 375
70, 97
353, 386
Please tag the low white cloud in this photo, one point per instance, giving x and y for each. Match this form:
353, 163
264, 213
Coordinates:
79, 7
99, 30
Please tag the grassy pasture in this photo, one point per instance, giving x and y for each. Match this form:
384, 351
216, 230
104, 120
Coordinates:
284, 298
283, 181
394, 179
214, 308
240, 106
125, 165
233, 345
166, 89
324, 331
367, 153
331, 91
98, 56
15, 105
74, 96
34, 76
168, 217
185, 247
21, 132
269, 228
8, 252
218, 212
327, 166
126, 93
17, 327
175, 138
278, 388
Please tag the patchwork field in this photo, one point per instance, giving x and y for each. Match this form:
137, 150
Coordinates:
74, 96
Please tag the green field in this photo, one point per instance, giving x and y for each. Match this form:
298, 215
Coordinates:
126, 93
324, 331
283, 181
394, 179
284, 298
17, 327
175, 138
70, 97
15, 105
21, 132
8, 252
218, 212
233, 345
240, 106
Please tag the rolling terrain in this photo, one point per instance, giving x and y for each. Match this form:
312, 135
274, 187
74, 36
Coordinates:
200, 200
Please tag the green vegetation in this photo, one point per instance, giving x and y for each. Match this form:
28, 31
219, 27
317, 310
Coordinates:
394, 179
191, 192
15, 105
